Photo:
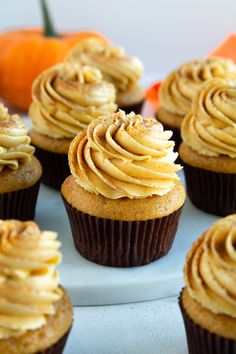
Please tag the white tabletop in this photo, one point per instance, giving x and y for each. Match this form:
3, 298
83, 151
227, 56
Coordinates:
153, 327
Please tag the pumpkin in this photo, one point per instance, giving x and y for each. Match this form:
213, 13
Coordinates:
27, 52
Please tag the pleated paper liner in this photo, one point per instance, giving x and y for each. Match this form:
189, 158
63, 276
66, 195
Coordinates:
55, 167
20, 204
201, 341
58, 347
121, 243
210, 191
136, 108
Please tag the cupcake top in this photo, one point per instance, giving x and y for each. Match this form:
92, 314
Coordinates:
15, 145
177, 90
66, 97
210, 127
124, 156
210, 270
29, 284
116, 66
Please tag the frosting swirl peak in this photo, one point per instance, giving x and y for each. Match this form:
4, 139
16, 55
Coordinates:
15, 145
124, 156
210, 270
210, 127
116, 66
28, 280
178, 89
66, 97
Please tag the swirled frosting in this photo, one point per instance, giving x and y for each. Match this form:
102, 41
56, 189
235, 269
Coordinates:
177, 90
66, 97
116, 66
28, 280
210, 270
210, 127
124, 156
15, 145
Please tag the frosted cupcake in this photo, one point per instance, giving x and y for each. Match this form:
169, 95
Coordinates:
208, 301
117, 67
66, 97
20, 171
180, 86
209, 148
124, 197
35, 311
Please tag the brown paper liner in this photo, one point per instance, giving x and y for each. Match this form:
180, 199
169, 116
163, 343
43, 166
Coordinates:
58, 347
55, 167
201, 341
136, 108
212, 192
121, 243
20, 204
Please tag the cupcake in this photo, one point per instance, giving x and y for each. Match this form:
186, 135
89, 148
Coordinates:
35, 311
208, 301
180, 86
20, 171
123, 198
117, 67
208, 150
66, 97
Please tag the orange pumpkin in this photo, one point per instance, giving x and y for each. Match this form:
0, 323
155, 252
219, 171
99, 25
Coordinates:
25, 53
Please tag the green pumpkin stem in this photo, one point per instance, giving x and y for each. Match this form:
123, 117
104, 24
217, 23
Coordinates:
49, 30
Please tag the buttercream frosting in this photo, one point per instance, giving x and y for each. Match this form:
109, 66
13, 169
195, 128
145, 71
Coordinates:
29, 283
15, 145
210, 270
210, 127
124, 156
66, 97
116, 66
180, 86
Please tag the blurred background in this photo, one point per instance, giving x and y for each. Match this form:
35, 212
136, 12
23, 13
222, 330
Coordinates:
163, 33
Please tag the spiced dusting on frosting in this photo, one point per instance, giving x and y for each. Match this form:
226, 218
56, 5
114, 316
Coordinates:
66, 97
124, 156
210, 270
15, 145
29, 283
210, 127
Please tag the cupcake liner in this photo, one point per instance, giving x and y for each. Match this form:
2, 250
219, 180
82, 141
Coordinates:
55, 167
58, 347
136, 108
121, 243
212, 192
19, 204
201, 341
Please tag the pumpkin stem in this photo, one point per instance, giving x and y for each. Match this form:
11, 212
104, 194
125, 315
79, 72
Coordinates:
49, 30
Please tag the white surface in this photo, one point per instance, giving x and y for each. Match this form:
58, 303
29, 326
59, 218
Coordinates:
154, 327
92, 284
162, 33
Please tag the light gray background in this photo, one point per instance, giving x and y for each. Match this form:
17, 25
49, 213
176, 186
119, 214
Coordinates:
163, 33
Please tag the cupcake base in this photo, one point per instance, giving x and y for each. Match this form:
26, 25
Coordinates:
58, 347
212, 192
201, 341
55, 167
19, 204
122, 243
